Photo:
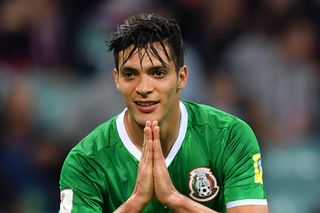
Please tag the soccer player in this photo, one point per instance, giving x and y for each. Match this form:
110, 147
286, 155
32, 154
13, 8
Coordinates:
162, 154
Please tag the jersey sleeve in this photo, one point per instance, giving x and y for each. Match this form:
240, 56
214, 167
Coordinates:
80, 185
243, 181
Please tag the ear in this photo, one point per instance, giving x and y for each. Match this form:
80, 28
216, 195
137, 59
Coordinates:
183, 75
116, 78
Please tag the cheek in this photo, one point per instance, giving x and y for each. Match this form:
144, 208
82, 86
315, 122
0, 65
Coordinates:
125, 89
170, 89
126, 95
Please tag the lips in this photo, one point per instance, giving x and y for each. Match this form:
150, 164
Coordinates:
146, 103
146, 106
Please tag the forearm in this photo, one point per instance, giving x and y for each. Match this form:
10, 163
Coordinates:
132, 205
182, 204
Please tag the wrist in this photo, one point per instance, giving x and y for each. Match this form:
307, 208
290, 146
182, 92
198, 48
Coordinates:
139, 200
180, 203
132, 205
175, 201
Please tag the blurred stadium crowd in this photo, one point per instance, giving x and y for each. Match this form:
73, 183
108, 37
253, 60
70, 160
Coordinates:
257, 59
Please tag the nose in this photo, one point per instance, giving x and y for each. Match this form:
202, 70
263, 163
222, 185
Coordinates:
144, 87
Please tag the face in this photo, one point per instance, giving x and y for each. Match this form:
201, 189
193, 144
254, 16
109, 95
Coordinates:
150, 90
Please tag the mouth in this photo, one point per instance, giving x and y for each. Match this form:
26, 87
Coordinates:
146, 106
146, 103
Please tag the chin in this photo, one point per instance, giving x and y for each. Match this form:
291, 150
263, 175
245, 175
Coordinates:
141, 121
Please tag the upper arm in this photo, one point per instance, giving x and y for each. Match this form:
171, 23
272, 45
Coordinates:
80, 186
243, 183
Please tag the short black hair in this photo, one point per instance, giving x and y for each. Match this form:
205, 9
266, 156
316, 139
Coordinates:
142, 31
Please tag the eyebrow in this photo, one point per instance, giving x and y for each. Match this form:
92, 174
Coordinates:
150, 69
126, 68
158, 67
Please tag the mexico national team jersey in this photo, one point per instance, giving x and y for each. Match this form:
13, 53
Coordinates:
215, 161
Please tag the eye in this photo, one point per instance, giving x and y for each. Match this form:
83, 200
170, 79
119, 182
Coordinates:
128, 74
159, 73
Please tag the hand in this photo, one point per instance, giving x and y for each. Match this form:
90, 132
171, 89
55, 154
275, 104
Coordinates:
153, 178
163, 186
144, 190
164, 189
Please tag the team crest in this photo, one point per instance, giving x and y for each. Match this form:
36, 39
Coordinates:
203, 184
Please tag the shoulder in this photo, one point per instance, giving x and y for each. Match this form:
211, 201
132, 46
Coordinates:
88, 151
201, 114
219, 122
102, 137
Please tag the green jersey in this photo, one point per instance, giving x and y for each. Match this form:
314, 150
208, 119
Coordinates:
215, 161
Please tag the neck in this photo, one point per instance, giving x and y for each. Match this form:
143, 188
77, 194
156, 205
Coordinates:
134, 131
168, 134
169, 130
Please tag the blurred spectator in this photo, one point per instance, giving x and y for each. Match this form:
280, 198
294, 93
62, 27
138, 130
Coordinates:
279, 73
223, 93
30, 160
47, 33
16, 150
31, 33
221, 22
14, 29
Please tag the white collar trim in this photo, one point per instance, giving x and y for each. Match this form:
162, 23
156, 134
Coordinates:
136, 152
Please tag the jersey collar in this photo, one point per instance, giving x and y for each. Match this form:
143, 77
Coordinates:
136, 152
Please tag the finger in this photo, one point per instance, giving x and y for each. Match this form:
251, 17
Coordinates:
147, 136
148, 141
156, 132
146, 131
144, 183
157, 144
153, 125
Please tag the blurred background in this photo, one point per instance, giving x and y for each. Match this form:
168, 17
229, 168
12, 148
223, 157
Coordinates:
257, 59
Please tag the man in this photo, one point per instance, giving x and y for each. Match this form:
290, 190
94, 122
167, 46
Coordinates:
161, 154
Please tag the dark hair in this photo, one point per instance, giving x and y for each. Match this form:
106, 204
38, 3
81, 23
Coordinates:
142, 31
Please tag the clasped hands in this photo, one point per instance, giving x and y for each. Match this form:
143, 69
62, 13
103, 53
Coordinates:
153, 178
